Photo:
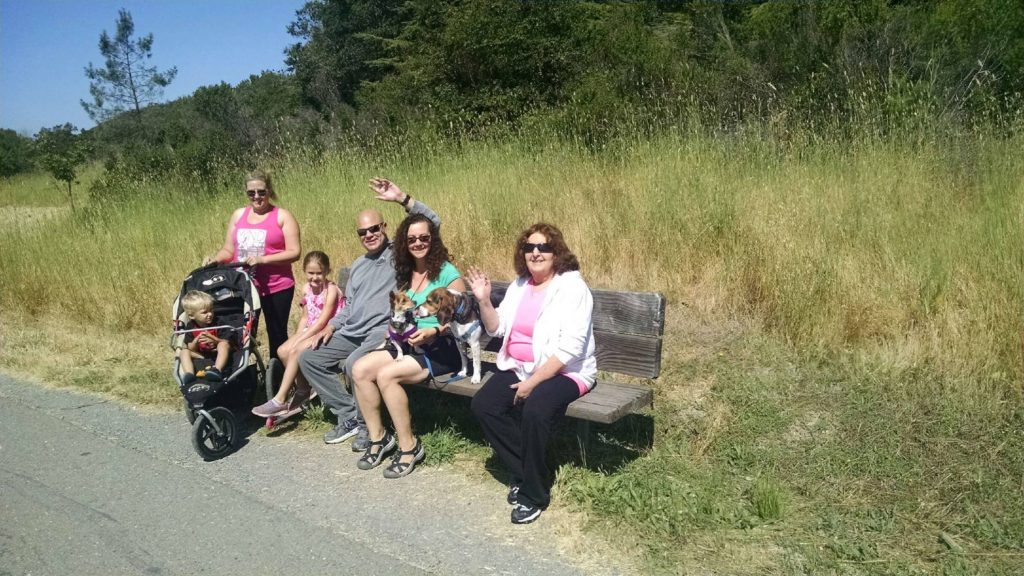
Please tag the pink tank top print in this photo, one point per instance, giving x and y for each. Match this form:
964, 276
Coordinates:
263, 239
314, 303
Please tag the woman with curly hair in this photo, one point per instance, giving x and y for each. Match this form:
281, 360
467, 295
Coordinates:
546, 360
421, 265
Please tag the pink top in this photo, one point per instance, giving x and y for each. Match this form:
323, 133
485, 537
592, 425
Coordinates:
314, 303
520, 339
263, 239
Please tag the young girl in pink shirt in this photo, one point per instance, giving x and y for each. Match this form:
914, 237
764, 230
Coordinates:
322, 299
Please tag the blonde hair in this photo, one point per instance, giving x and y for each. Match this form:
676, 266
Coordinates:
262, 176
194, 302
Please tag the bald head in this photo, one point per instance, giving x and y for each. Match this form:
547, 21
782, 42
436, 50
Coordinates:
372, 230
368, 218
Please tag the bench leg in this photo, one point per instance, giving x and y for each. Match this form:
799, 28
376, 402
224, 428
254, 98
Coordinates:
583, 438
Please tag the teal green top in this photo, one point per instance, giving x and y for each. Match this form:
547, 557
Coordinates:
447, 275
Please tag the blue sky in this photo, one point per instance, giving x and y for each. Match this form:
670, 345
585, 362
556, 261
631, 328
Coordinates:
45, 46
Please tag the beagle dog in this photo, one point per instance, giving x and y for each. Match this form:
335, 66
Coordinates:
402, 323
461, 312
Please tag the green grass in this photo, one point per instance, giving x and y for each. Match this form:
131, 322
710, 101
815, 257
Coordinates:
766, 498
842, 360
41, 190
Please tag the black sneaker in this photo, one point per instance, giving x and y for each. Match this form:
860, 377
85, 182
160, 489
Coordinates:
513, 495
525, 513
362, 441
343, 431
213, 375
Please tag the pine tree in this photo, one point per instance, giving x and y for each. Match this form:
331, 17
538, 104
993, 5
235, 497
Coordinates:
126, 82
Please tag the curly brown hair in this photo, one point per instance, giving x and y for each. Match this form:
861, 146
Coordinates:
405, 263
565, 260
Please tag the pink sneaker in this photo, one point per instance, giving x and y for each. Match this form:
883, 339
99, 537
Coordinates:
270, 408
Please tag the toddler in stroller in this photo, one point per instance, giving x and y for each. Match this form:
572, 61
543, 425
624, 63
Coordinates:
203, 340
217, 305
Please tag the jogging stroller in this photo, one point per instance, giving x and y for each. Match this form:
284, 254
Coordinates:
216, 408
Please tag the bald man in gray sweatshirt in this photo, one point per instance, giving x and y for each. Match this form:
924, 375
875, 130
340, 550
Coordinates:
362, 324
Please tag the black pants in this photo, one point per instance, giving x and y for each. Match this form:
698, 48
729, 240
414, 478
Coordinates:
276, 307
519, 434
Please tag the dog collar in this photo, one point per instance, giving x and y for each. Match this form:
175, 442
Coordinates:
404, 335
464, 309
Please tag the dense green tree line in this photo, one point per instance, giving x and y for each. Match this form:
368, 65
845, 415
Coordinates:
16, 153
474, 62
588, 70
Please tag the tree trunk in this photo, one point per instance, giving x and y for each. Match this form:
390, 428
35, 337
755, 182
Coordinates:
71, 198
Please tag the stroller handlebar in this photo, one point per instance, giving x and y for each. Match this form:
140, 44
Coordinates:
217, 264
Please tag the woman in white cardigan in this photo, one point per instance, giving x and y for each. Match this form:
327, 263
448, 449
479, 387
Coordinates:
546, 360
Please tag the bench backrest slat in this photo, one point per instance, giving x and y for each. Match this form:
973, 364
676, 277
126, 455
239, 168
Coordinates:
628, 354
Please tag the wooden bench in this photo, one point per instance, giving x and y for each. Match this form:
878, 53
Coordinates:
628, 331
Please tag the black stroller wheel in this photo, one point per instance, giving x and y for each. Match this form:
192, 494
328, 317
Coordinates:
190, 413
214, 433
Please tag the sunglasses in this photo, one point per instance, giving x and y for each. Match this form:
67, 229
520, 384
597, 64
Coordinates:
262, 192
370, 230
543, 248
422, 238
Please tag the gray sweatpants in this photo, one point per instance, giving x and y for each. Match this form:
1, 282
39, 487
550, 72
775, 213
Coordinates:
322, 366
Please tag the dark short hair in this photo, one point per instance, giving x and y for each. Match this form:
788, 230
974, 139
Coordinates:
565, 260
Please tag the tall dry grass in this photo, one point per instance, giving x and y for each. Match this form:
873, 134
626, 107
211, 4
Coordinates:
909, 253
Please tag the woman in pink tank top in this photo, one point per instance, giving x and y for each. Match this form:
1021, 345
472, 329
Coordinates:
266, 237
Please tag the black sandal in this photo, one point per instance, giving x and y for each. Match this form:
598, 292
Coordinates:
397, 469
371, 459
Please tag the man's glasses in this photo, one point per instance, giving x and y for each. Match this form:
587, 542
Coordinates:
369, 230
543, 248
422, 238
262, 192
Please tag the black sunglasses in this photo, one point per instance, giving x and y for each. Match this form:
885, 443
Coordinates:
262, 192
543, 248
424, 238
370, 230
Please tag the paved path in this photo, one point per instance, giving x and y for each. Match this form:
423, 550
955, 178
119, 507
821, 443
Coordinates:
90, 486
